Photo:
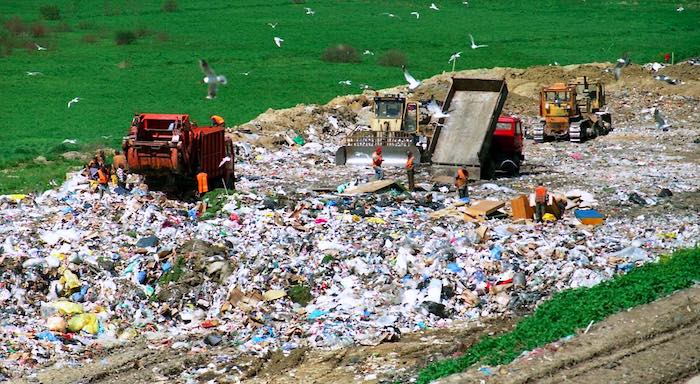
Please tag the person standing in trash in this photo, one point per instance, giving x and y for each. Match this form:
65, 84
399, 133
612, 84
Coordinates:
462, 183
410, 171
541, 198
202, 183
217, 121
103, 180
377, 161
121, 176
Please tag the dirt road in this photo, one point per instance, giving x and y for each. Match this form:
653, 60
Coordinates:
654, 343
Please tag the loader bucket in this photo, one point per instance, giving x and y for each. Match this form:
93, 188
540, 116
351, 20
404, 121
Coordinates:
362, 155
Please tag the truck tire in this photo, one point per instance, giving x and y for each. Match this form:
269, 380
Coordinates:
488, 170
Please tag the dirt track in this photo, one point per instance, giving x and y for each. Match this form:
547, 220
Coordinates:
654, 343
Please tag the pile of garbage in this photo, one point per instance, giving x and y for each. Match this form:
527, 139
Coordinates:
291, 260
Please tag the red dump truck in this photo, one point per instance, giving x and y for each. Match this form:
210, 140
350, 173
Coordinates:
167, 145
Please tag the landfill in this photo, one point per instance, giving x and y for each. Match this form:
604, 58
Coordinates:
294, 259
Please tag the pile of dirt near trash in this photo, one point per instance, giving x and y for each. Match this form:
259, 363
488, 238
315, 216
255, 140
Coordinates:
307, 255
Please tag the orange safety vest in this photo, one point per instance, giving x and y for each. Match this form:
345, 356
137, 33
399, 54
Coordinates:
540, 194
202, 184
102, 176
218, 120
409, 164
462, 177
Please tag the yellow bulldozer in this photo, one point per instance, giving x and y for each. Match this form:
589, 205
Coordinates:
573, 111
394, 126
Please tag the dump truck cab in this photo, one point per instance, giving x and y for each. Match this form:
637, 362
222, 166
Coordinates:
507, 144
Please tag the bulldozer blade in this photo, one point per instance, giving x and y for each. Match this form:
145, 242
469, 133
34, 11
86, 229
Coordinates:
362, 155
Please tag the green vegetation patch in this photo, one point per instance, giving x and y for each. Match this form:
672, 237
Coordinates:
573, 309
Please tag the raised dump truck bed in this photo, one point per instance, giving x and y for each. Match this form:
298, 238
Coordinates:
464, 139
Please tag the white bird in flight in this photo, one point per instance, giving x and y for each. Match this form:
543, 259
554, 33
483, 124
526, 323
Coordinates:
39, 47
345, 82
412, 82
474, 45
224, 161
309, 11
454, 57
390, 15
433, 6
70, 141
435, 110
416, 14
661, 121
278, 41
273, 26
245, 73
368, 52
211, 79
75, 100
680, 9
30, 73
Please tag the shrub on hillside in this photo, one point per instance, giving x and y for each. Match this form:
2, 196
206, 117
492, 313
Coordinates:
169, 6
16, 26
393, 58
341, 53
124, 37
50, 12
39, 29
89, 38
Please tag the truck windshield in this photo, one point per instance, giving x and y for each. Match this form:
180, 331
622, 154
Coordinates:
503, 126
557, 97
388, 109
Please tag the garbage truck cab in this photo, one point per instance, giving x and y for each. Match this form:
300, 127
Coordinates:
507, 144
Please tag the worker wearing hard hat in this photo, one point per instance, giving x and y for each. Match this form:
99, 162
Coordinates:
410, 171
462, 183
217, 121
377, 161
541, 198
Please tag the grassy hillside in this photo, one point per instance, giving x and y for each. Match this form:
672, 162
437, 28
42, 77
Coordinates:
159, 72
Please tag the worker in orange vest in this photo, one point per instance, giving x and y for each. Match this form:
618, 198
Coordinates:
202, 184
103, 180
377, 161
410, 171
462, 183
541, 199
217, 121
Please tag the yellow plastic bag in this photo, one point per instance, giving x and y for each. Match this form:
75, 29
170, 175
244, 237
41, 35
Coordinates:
84, 322
69, 280
549, 217
376, 220
67, 307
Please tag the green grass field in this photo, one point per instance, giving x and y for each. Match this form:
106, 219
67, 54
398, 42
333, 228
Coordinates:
159, 72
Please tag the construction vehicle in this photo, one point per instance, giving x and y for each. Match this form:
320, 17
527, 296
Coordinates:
168, 145
394, 127
574, 111
468, 138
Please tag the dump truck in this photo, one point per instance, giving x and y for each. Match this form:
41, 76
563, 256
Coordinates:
171, 146
573, 111
394, 126
464, 139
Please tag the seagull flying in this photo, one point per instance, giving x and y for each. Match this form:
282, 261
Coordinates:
661, 121
412, 82
454, 57
245, 73
39, 47
433, 6
390, 15
621, 63
75, 100
30, 73
680, 9
211, 79
107, 137
224, 161
416, 14
278, 41
435, 110
345, 82
309, 11
272, 25
474, 45
365, 86
70, 141
368, 52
